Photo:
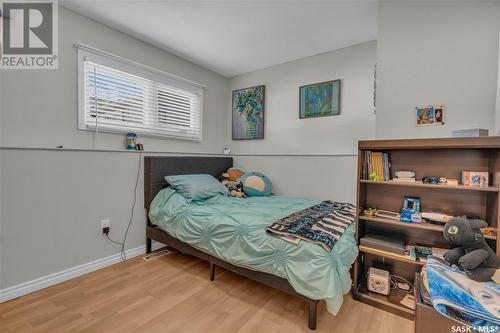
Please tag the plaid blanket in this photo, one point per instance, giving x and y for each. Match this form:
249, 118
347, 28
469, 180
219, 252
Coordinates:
322, 224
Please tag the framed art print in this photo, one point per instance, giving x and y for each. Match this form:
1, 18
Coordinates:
248, 108
320, 99
430, 115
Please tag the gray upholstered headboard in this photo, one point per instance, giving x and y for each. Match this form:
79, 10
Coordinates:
156, 168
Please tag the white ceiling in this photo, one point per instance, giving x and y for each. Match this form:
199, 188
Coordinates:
235, 37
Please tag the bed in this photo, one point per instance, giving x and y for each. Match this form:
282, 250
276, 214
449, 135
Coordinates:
230, 232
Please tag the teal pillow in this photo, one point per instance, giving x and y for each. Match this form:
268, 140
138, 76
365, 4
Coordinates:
255, 184
196, 187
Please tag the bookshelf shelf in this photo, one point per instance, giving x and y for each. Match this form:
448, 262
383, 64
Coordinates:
394, 256
433, 186
426, 158
423, 225
391, 303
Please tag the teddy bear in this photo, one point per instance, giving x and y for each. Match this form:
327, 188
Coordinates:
230, 179
473, 255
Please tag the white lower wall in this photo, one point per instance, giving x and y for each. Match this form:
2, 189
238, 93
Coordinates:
314, 177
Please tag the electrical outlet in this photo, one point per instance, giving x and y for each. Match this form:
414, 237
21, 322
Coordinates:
105, 226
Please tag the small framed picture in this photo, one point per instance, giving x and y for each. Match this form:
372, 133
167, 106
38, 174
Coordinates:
430, 115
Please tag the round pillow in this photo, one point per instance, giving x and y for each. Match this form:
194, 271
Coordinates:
256, 184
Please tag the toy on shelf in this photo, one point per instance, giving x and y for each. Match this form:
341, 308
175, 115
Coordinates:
430, 180
374, 176
370, 211
411, 206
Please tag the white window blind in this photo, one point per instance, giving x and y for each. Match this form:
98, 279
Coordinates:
119, 97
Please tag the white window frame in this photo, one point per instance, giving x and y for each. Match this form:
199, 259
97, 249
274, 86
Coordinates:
88, 53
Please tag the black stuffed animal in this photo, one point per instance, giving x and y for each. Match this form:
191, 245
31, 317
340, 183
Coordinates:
473, 255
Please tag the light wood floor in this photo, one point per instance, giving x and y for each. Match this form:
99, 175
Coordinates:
173, 294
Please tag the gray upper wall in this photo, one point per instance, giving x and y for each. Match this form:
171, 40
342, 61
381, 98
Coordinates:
436, 52
285, 133
40, 106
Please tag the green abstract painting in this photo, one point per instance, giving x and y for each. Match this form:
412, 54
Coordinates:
320, 99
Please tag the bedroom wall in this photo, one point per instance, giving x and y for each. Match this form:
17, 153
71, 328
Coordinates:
54, 200
436, 52
1, 184
315, 157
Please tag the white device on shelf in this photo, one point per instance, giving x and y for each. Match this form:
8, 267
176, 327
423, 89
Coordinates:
379, 281
438, 217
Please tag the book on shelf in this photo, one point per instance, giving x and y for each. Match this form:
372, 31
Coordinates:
378, 163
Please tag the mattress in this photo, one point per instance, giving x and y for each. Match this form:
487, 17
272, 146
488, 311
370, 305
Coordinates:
234, 230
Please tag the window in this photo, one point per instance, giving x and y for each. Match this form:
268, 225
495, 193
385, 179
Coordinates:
118, 95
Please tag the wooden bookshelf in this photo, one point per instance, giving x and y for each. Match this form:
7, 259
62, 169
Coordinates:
431, 158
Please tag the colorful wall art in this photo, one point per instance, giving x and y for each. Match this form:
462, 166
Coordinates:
320, 99
248, 113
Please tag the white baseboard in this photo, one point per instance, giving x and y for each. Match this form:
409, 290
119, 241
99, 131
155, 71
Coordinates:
71, 273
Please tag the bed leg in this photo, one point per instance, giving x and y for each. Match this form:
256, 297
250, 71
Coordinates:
313, 310
212, 271
148, 245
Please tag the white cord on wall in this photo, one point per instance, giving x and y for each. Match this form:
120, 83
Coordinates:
122, 244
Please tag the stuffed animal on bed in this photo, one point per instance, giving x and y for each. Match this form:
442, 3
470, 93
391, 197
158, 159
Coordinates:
234, 174
230, 180
473, 254
256, 184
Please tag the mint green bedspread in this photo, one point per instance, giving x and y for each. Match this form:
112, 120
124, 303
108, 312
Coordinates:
234, 230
